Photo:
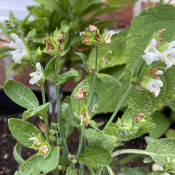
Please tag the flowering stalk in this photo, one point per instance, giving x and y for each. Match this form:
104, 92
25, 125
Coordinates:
120, 104
94, 79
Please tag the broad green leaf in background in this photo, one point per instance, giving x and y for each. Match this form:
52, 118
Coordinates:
170, 133
71, 171
162, 124
49, 3
37, 163
95, 157
23, 131
133, 171
63, 78
109, 95
143, 27
119, 2
162, 151
20, 94
40, 111
17, 153
117, 47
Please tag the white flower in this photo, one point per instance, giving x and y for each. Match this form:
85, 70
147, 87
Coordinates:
159, 72
154, 86
36, 76
107, 38
151, 53
20, 49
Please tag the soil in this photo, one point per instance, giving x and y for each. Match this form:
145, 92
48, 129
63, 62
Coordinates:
8, 165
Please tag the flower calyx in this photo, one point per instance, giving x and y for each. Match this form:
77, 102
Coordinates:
49, 45
86, 39
42, 127
81, 94
156, 72
35, 141
84, 119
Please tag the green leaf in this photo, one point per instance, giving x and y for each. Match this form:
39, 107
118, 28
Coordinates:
17, 154
71, 171
20, 94
67, 112
86, 63
49, 3
50, 69
162, 124
23, 131
171, 104
119, 2
75, 102
106, 91
170, 133
37, 163
4, 49
65, 26
31, 34
109, 79
4, 56
117, 47
162, 151
143, 27
100, 139
95, 157
40, 111
63, 78
134, 171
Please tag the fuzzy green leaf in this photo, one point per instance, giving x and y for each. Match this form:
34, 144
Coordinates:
71, 171
143, 27
23, 131
95, 157
20, 94
162, 151
75, 102
134, 171
100, 139
17, 154
170, 133
162, 124
37, 163
63, 78
31, 34
40, 111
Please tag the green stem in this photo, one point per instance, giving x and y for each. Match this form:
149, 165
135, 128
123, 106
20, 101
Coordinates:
45, 118
120, 104
129, 151
80, 142
109, 169
94, 80
81, 169
100, 171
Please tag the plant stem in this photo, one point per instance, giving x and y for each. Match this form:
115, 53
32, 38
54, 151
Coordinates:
81, 172
45, 117
100, 171
94, 80
120, 104
109, 169
134, 151
80, 142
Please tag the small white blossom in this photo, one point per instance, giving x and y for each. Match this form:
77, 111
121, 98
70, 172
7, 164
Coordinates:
107, 38
151, 53
36, 76
154, 86
20, 49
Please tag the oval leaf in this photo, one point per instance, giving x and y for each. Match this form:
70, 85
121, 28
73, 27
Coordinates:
20, 94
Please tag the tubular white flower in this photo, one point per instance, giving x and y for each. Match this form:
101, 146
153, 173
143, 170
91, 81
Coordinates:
20, 49
107, 38
154, 86
35, 140
36, 76
151, 53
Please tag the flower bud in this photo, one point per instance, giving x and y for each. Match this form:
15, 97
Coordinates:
43, 149
81, 94
156, 71
74, 161
86, 38
60, 167
61, 39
